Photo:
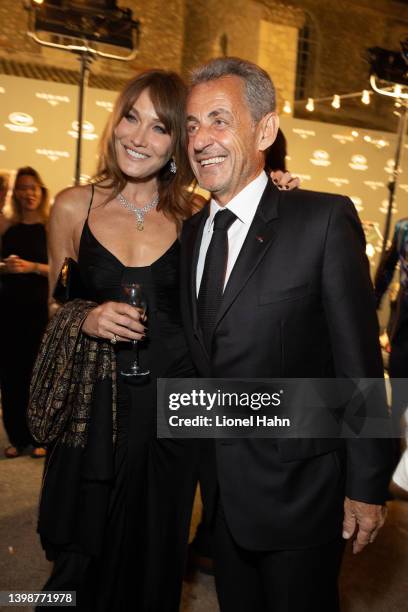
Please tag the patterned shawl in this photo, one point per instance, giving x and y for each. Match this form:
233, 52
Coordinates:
68, 365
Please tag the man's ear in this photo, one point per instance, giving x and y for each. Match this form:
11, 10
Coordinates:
267, 131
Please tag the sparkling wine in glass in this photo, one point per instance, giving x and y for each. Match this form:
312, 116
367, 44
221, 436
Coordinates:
133, 294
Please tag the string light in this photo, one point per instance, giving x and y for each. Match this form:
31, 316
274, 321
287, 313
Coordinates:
310, 105
287, 108
398, 91
336, 101
365, 98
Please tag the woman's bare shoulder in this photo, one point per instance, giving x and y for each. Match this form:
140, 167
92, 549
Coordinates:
72, 202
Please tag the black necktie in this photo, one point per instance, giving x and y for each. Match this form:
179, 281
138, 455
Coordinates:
212, 282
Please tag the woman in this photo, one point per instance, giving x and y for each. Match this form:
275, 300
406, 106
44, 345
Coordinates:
121, 543
24, 290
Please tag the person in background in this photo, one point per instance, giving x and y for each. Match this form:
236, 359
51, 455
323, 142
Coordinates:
23, 304
397, 330
275, 156
4, 187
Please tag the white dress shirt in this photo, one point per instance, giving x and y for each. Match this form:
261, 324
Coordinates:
244, 206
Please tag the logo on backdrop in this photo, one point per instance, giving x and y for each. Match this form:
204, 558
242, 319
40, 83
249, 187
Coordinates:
304, 134
303, 177
21, 122
343, 138
374, 185
358, 203
390, 165
52, 155
3, 147
320, 158
404, 188
2, 90
51, 98
380, 143
105, 104
88, 130
358, 162
338, 181
384, 208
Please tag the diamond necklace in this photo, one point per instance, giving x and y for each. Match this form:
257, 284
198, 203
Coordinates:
138, 212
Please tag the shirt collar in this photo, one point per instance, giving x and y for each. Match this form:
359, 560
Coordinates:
245, 203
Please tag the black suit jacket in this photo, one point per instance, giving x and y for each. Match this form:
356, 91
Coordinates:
298, 303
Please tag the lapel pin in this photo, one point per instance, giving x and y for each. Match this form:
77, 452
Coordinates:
260, 239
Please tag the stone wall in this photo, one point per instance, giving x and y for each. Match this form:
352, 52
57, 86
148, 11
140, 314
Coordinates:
179, 34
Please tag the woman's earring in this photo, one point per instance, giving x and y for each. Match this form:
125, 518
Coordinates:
173, 166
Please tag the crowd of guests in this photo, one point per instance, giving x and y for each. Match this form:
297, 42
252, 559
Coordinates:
116, 501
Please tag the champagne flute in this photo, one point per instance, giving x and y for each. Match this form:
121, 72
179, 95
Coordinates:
134, 295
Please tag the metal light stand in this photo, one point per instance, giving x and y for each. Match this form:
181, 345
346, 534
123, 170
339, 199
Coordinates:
86, 61
402, 98
86, 55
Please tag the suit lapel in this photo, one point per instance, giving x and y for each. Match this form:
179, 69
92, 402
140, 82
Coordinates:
258, 241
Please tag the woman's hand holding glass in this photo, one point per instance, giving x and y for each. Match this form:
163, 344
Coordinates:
115, 320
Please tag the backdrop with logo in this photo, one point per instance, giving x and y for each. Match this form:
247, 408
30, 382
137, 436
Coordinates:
38, 127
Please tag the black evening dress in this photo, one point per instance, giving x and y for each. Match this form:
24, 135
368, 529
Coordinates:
118, 531
23, 318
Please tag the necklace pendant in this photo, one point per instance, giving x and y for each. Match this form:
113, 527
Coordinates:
140, 225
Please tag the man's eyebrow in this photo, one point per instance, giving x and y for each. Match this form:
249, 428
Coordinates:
219, 111
215, 113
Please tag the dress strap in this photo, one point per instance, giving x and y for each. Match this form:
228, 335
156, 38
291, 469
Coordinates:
92, 197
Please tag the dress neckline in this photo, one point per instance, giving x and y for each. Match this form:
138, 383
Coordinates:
171, 247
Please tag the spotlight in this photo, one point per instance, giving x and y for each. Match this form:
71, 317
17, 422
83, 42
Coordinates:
93, 20
388, 65
287, 108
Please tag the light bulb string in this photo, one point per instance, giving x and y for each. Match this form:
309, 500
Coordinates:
310, 102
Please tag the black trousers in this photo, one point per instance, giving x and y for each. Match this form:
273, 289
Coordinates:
275, 581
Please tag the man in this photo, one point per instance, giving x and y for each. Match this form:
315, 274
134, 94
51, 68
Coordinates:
278, 287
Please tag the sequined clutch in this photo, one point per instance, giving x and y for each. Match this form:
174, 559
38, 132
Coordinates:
69, 284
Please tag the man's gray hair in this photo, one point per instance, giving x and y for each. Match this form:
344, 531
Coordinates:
259, 89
